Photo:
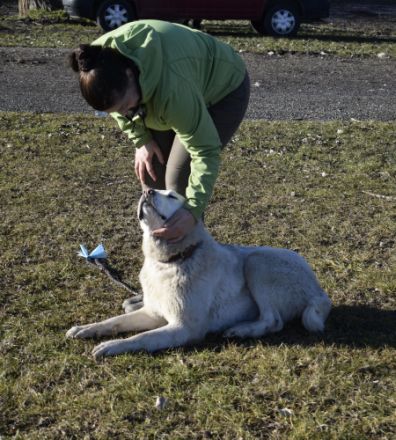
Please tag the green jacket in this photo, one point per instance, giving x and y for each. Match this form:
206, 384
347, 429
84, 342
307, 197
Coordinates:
182, 73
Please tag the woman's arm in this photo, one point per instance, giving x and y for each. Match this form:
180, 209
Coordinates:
188, 116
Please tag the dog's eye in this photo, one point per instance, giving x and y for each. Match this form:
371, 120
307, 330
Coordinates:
171, 196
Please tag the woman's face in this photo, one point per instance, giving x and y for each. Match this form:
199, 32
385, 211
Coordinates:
128, 100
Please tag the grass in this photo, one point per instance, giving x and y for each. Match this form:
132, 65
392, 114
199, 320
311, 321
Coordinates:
352, 39
323, 188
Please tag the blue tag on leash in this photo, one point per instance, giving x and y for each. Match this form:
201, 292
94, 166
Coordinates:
98, 253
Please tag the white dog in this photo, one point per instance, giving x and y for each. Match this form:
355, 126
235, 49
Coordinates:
197, 286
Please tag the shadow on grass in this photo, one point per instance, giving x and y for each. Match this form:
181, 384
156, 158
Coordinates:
352, 326
347, 326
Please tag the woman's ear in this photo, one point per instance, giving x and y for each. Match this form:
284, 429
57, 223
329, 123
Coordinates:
130, 74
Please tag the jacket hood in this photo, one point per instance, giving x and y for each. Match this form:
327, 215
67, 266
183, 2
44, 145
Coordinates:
142, 45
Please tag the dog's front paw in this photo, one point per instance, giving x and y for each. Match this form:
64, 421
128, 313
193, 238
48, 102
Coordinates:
84, 331
71, 333
109, 348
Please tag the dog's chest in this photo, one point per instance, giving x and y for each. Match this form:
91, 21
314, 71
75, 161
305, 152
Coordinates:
167, 288
210, 284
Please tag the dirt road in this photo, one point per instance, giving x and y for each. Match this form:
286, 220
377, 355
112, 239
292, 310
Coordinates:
283, 87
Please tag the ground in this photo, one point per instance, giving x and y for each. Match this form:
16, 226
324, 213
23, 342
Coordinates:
307, 177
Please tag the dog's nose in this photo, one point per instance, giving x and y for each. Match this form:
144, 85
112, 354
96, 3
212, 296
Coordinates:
149, 192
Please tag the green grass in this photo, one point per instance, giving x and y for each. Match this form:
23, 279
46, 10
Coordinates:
318, 187
352, 39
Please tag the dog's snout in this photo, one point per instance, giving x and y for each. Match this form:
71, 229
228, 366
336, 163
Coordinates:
148, 192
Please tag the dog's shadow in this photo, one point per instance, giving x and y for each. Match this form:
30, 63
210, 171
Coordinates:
347, 326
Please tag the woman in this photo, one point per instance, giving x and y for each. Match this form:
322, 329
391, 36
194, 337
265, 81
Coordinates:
179, 95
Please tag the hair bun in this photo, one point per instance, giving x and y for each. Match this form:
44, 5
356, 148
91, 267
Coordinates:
85, 58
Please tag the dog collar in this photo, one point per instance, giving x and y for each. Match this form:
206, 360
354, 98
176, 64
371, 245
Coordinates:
184, 255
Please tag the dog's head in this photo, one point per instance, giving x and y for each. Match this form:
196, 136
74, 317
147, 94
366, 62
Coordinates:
157, 206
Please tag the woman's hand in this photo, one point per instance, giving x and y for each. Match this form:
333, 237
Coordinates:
144, 160
179, 225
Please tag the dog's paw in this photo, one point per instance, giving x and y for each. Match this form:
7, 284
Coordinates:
109, 348
71, 333
244, 330
83, 331
232, 333
133, 303
255, 329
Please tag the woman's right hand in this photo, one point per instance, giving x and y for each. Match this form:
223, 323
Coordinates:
144, 160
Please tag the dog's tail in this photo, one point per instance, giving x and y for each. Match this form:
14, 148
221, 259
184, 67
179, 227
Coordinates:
316, 313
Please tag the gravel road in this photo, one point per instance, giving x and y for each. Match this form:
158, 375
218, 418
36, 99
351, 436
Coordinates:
283, 87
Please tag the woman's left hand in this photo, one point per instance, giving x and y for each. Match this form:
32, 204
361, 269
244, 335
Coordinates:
177, 227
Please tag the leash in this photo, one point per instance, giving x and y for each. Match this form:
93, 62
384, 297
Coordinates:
101, 263
104, 267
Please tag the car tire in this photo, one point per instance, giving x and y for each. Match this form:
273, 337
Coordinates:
112, 14
282, 19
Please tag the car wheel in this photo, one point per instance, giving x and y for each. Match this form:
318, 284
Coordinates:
114, 13
282, 19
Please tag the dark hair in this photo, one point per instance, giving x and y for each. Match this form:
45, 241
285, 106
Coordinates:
103, 76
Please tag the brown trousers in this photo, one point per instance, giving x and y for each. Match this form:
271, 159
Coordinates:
227, 116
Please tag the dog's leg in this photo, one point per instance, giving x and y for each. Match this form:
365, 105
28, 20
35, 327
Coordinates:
268, 322
170, 335
269, 319
138, 320
315, 314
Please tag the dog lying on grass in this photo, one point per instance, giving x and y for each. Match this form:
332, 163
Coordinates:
198, 286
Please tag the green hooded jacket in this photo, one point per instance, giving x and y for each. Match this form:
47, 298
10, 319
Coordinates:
182, 73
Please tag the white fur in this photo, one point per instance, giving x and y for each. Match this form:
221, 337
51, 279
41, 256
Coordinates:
240, 291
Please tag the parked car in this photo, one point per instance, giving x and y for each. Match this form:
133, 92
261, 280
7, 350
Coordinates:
271, 17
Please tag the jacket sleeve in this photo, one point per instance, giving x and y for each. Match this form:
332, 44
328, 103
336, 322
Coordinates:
135, 129
187, 114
